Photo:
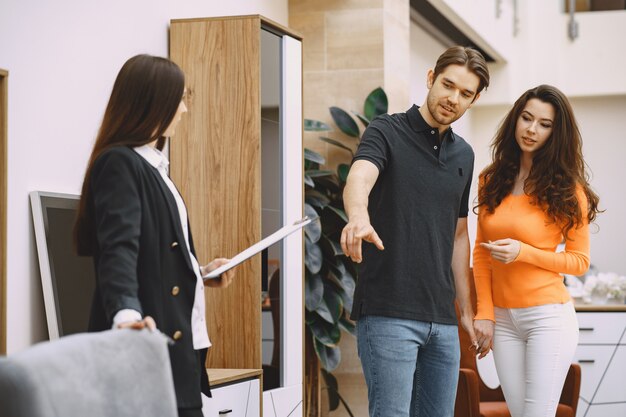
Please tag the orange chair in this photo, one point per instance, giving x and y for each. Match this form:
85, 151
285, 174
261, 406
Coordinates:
475, 399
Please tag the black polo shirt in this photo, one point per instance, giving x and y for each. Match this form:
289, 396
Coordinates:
414, 207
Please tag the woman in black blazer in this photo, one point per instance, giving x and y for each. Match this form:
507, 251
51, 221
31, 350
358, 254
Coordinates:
132, 220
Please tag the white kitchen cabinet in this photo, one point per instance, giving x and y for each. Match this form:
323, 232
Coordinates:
601, 354
236, 393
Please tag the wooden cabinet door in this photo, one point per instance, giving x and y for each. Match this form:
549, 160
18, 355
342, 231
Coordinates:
215, 162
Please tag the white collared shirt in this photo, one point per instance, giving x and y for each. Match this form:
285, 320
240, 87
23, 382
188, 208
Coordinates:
198, 326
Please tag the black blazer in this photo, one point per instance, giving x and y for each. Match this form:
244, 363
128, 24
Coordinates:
141, 260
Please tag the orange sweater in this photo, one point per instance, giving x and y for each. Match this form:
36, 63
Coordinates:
533, 278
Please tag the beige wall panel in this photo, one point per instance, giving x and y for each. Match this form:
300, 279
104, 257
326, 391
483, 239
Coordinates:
216, 165
399, 10
344, 89
315, 94
365, 45
348, 89
354, 39
312, 28
398, 89
397, 58
307, 6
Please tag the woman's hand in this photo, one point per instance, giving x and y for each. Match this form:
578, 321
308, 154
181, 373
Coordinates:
503, 250
484, 336
138, 325
224, 280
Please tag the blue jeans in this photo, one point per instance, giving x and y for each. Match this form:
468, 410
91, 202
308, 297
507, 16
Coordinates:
411, 367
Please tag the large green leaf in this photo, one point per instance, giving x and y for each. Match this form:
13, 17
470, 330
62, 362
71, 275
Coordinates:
339, 213
332, 278
329, 356
376, 104
329, 184
346, 292
346, 123
347, 325
362, 118
313, 156
327, 247
323, 311
342, 279
316, 126
314, 291
316, 199
342, 172
315, 173
313, 256
313, 230
336, 266
333, 390
327, 333
336, 143
308, 181
346, 277
336, 247
309, 317
333, 301
348, 285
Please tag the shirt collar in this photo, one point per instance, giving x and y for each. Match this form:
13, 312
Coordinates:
155, 157
418, 123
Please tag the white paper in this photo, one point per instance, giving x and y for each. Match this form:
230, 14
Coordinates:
258, 247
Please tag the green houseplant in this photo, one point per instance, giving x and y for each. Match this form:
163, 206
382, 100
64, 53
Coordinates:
330, 277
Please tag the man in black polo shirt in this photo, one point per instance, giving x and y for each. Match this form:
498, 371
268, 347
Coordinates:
407, 195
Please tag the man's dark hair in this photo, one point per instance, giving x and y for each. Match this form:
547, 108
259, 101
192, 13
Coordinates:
468, 57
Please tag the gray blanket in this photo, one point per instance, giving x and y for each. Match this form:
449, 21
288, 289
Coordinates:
115, 373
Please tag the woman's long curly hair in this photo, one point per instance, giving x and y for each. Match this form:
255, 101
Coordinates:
558, 167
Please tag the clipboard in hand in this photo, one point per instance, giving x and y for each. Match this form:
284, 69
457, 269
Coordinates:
280, 234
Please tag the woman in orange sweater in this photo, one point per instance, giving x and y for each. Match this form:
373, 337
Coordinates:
533, 196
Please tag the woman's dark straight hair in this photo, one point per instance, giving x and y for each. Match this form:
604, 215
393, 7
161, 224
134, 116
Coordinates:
143, 103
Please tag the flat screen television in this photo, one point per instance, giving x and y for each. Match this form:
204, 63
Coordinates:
67, 280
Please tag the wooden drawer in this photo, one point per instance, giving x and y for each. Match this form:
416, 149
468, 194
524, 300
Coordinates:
601, 328
612, 388
283, 402
593, 362
582, 408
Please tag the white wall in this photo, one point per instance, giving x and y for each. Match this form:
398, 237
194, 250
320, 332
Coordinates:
424, 53
589, 70
603, 127
541, 51
62, 57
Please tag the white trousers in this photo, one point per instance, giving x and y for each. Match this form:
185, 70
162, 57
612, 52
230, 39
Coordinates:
533, 348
